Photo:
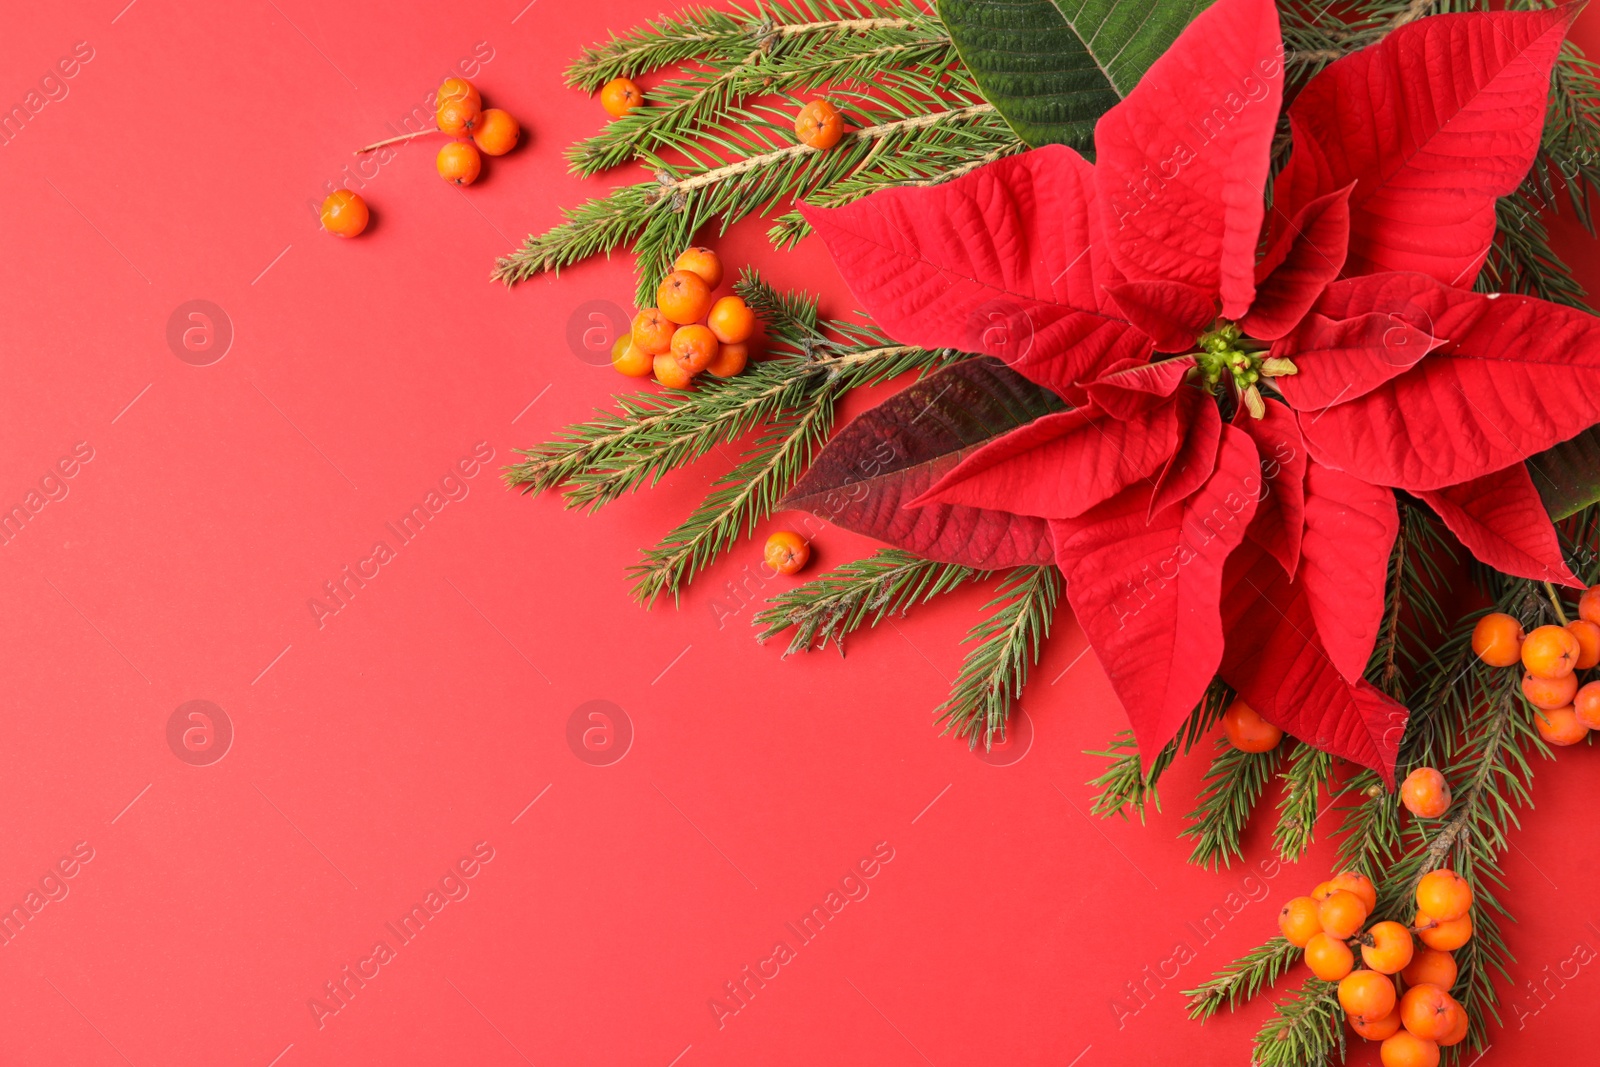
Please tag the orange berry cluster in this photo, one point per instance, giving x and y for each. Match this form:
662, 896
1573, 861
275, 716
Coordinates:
689, 331
1412, 1015
1551, 657
459, 112
818, 124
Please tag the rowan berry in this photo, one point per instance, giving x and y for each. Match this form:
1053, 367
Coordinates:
1444, 895
620, 96
1589, 604
1367, 994
1588, 635
457, 107
1298, 921
459, 163
1359, 884
1329, 958
1427, 1011
1342, 913
1405, 1049
819, 125
1458, 1032
628, 358
1549, 692
1391, 948
786, 552
496, 133
731, 360
1425, 793
694, 347
1559, 726
1550, 652
1586, 705
1497, 639
1430, 966
1247, 731
669, 372
733, 322
683, 297
1320, 893
1445, 935
652, 331
701, 261
1375, 1029
344, 213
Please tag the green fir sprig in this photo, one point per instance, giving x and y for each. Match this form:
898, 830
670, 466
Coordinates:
1006, 645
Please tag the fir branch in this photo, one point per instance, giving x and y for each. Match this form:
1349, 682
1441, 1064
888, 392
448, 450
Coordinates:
1306, 1028
889, 582
1369, 829
1232, 786
1242, 979
1309, 770
1008, 643
1125, 785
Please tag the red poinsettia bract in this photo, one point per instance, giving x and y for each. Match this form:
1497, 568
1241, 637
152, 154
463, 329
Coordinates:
1352, 355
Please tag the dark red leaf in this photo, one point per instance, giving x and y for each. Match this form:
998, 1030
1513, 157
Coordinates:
893, 452
1275, 660
1433, 123
1147, 592
1172, 313
1196, 458
1007, 260
1305, 258
1344, 562
1281, 516
1502, 521
1181, 163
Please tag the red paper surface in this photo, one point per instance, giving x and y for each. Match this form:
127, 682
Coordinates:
427, 721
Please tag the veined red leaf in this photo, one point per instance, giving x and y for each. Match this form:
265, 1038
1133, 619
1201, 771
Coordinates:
1062, 465
1433, 123
1305, 258
1281, 516
1130, 387
1514, 376
1195, 458
1181, 162
1350, 526
1147, 592
893, 452
1340, 360
1502, 520
1008, 261
1171, 313
1275, 660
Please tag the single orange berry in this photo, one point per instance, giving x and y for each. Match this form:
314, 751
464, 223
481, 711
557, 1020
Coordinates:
1359, 884
1559, 726
1247, 731
1549, 692
1458, 1032
732, 321
1497, 639
1588, 635
459, 89
1298, 921
1425, 793
1550, 652
620, 96
669, 372
1391, 948
1375, 1029
1366, 993
628, 358
1405, 1049
1329, 958
457, 106
344, 213
1586, 705
684, 297
701, 261
1589, 604
1445, 935
819, 125
1426, 1010
1444, 894
786, 552
496, 132
652, 331
1431, 966
694, 347
731, 360
1342, 913
1322, 890
459, 163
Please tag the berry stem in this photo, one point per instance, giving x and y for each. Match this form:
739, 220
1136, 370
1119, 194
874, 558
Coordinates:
1555, 601
397, 140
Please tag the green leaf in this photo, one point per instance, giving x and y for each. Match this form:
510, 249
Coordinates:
1568, 475
1052, 69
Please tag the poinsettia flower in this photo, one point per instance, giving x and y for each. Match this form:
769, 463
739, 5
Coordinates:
1218, 480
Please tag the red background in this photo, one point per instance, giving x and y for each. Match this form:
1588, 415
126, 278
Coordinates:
375, 751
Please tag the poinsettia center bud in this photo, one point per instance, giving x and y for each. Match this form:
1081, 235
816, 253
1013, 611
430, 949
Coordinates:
1225, 353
